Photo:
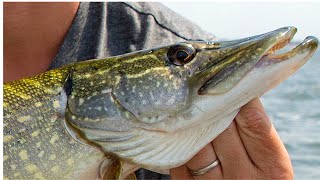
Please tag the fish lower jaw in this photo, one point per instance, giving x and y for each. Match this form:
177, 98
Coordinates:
306, 48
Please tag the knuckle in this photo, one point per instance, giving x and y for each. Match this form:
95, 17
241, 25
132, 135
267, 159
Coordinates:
253, 119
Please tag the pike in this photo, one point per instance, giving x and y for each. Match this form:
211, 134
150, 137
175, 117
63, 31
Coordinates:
153, 108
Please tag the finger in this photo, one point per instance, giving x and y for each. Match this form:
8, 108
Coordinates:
202, 159
235, 162
259, 137
181, 172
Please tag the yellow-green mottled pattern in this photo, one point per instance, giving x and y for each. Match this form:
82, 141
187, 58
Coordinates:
93, 76
36, 144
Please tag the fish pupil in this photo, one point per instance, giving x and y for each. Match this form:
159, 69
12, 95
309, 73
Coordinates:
181, 55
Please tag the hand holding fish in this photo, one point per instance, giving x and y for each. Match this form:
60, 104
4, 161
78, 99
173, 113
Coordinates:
249, 148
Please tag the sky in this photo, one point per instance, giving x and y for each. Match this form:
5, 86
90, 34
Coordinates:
234, 20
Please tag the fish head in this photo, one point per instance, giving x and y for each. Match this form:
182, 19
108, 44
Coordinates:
202, 75
176, 99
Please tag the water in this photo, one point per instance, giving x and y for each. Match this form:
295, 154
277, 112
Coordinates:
294, 108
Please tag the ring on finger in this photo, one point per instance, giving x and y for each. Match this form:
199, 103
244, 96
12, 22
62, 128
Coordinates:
205, 169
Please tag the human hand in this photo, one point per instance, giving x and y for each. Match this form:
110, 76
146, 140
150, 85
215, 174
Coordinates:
249, 148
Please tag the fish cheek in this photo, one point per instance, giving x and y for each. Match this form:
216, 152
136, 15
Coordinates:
154, 97
99, 111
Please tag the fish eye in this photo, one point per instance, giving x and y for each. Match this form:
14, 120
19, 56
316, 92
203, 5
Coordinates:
181, 54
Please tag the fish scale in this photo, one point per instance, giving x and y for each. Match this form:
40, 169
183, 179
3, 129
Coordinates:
36, 142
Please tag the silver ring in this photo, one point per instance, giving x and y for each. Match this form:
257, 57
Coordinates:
205, 169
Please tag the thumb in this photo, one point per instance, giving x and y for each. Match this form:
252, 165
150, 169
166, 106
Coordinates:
260, 138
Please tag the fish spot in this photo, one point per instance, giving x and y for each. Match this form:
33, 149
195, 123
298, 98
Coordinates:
99, 108
54, 138
13, 167
38, 175
31, 168
127, 115
144, 102
5, 157
25, 96
24, 119
134, 89
81, 101
41, 153
35, 133
38, 104
52, 157
50, 91
171, 101
105, 91
23, 155
55, 169
7, 138
48, 129
70, 162
38, 144
56, 104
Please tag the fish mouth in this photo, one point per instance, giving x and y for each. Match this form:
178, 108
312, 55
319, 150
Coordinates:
308, 44
254, 52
